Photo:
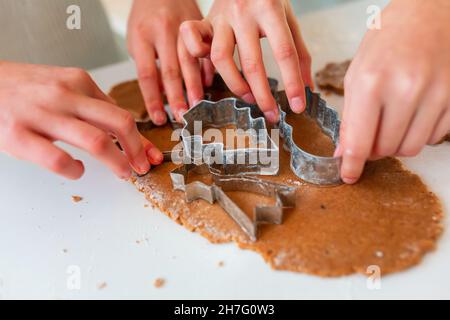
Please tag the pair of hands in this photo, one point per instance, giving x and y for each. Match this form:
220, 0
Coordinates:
397, 89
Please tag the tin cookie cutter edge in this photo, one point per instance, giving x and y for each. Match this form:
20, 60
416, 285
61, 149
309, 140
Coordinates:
219, 114
308, 167
285, 196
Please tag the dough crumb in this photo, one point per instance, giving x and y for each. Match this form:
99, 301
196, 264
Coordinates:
102, 286
159, 283
65, 250
221, 264
331, 77
145, 205
77, 199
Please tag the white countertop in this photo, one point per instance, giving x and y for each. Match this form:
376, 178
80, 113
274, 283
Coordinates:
45, 237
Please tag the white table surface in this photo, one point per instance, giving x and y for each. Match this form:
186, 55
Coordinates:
44, 235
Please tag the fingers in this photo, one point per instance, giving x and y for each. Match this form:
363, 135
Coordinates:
250, 56
302, 51
80, 81
222, 51
286, 56
154, 155
192, 74
208, 71
197, 36
442, 128
86, 137
360, 122
113, 119
422, 126
32, 147
394, 121
171, 75
148, 77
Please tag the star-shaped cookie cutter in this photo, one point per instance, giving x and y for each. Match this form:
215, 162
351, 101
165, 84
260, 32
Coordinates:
285, 196
312, 168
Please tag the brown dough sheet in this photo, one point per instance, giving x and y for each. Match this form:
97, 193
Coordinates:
389, 218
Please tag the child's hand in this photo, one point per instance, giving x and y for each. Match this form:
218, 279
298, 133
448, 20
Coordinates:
41, 104
398, 86
243, 23
153, 30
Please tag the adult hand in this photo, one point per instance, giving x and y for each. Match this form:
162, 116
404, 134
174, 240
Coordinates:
40, 105
398, 86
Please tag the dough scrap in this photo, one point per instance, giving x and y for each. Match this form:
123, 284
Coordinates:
331, 77
389, 218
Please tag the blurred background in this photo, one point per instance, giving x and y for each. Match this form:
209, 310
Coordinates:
117, 12
34, 31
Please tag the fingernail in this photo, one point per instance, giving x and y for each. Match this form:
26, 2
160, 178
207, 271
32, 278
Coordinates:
349, 180
159, 117
126, 175
297, 104
143, 168
271, 116
155, 156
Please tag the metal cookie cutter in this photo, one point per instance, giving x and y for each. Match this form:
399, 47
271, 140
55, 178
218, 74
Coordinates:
284, 195
261, 157
312, 168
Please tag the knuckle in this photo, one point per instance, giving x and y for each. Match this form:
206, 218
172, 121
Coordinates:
141, 29
293, 88
250, 66
240, 4
57, 92
98, 144
370, 81
406, 85
77, 75
127, 124
165, 21
185, 58
171, 73
285, 51
218, 55
147, 73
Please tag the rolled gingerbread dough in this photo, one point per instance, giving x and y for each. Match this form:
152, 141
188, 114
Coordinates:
389, 218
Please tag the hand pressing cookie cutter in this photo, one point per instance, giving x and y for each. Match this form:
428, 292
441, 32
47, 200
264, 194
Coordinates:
311, 168
284, 195
262, 159
217, 85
